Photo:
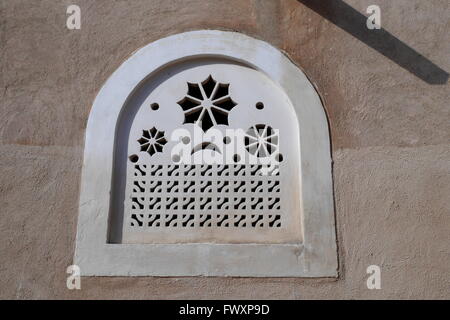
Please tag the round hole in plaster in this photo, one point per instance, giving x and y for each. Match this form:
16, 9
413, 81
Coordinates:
154, 106
176, 158
186, 140
226, 140
279, 157
259, 105
134, 158
236, 158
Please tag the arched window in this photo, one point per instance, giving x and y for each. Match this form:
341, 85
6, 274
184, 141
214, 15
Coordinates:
207, 153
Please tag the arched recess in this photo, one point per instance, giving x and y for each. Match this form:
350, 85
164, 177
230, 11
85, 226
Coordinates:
100, 247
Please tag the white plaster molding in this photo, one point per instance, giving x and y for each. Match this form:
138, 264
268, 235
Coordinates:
315, 256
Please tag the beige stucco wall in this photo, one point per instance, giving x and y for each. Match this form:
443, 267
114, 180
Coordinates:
390, 136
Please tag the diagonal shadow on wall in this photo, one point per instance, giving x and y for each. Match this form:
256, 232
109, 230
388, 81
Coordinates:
353, 22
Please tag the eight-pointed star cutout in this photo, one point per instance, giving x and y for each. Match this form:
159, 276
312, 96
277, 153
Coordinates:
152, 141
261, 140
207, 104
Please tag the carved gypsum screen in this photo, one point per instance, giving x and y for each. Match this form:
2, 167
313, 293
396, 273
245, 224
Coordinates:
213, 156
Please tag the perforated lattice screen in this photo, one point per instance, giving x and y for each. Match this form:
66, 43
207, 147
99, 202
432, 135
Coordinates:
212, 155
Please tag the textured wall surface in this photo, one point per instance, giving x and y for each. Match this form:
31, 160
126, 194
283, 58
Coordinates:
390, 134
